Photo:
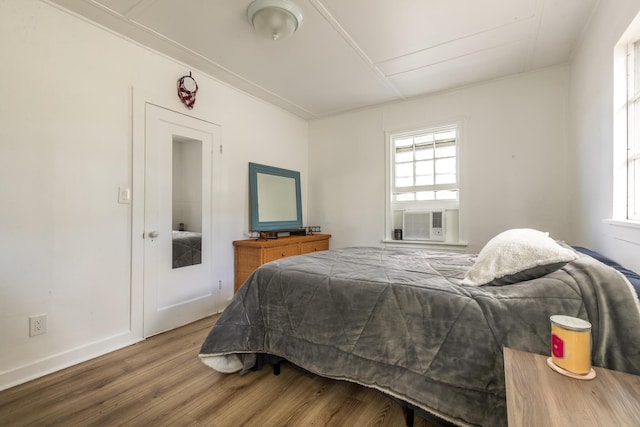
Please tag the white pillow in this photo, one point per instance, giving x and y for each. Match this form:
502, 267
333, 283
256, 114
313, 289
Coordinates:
517, 255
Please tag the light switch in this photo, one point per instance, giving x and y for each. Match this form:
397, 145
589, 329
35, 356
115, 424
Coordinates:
124, 195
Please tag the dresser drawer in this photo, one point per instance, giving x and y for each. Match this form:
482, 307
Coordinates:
272, 254
320, 245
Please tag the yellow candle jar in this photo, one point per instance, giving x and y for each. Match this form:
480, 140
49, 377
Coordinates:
571, 344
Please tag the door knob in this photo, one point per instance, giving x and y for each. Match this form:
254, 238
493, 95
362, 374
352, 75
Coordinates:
153, 234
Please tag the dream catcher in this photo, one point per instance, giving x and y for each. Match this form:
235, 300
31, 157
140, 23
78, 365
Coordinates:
187, 89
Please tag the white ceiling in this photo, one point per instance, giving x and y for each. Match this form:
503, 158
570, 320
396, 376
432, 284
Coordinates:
352, 53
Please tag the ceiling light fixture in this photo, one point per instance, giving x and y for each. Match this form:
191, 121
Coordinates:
274, 19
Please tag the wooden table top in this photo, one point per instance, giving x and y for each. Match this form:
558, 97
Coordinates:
538, 396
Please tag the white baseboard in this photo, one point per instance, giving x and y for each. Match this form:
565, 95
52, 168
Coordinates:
56, 362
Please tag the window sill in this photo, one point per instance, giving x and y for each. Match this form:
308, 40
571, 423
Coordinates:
429, 244
623, 223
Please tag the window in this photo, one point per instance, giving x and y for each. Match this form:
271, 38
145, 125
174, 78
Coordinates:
633, 133
422, 177
425, 165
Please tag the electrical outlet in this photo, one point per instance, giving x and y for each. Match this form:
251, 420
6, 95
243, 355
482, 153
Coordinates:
37, 325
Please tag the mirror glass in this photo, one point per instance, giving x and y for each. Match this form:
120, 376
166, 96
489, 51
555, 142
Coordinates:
274, 198
186, 202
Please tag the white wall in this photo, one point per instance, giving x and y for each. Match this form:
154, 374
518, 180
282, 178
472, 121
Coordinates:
513, 170
592, 129
65, 148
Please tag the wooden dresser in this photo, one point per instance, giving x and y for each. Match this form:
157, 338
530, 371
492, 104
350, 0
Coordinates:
252, 253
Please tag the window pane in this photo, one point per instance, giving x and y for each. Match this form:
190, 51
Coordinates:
634, 144
447, 195
424, 180
637, 67
445, 151
425, 195
404, 182
404, 170
425, 152
404, 156
404, 142
449, 134
424, 139
446, 179
447, 165
424, 167
634, 177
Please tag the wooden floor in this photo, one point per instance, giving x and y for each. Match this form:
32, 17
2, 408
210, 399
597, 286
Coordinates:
161, 382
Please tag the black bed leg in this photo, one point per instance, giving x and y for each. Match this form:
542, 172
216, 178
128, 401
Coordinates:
276, 368
409, 417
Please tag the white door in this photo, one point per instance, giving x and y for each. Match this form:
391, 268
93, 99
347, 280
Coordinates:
178, 245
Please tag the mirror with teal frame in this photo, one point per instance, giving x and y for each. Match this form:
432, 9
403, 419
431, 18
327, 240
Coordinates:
274, 198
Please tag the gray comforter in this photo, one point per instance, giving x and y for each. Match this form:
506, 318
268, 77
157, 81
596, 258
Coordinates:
187, 248
397, 320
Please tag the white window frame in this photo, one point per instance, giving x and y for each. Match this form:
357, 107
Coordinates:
390, 205
633, 131
625, 129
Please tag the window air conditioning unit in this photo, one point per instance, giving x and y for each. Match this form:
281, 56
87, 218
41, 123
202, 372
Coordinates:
423, 225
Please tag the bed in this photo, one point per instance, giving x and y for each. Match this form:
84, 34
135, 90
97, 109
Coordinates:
424, 327
187, 248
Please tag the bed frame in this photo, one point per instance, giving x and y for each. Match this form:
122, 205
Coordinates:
410, 410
